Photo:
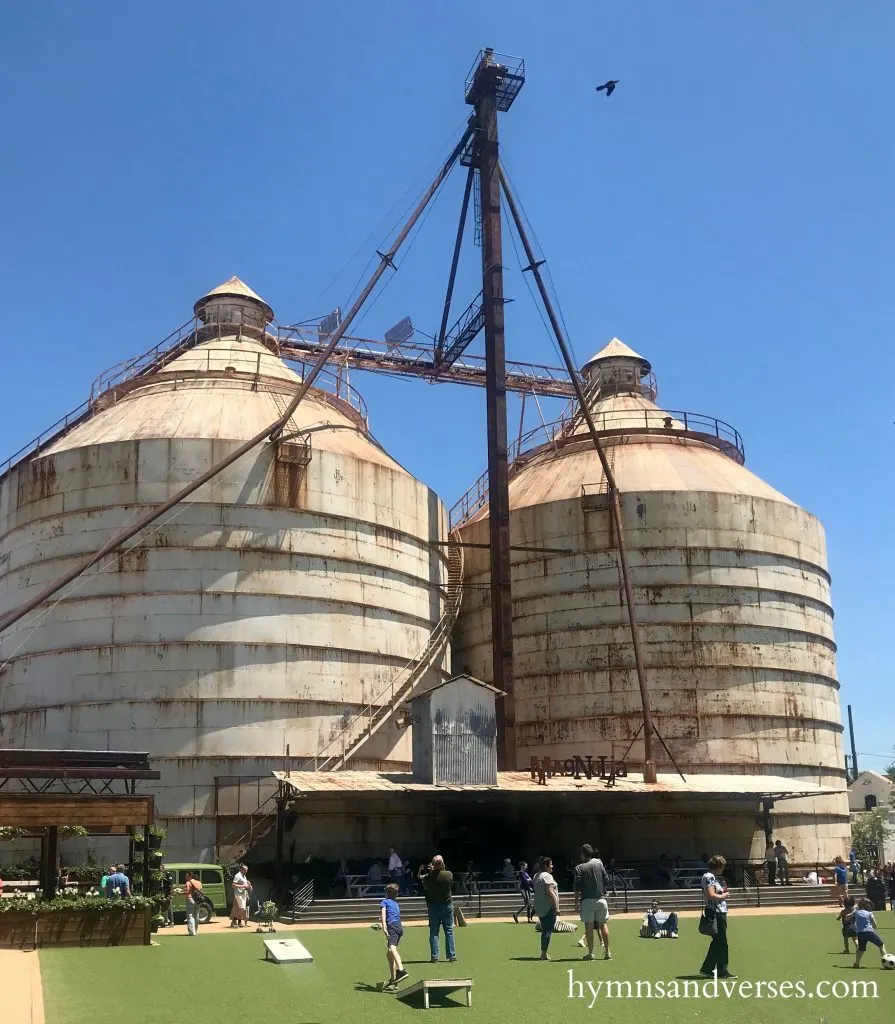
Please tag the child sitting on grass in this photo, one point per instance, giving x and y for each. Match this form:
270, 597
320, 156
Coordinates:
390, 922
848, 927
865, 926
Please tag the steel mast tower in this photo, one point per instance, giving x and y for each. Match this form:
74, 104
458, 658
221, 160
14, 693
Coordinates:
491, 88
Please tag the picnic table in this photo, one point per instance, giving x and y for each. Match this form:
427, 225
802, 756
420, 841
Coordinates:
687, 877
498, 885
360, 886
624, 878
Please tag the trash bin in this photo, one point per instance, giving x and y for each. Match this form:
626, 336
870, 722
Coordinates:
876, 892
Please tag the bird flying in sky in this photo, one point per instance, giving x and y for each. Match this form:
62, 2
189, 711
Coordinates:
608, 87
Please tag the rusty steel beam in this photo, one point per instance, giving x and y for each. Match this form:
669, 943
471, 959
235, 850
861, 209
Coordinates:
534, 265
272, 431
455, 261
485, 88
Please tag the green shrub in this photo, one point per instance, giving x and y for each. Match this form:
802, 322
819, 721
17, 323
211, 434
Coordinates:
64, 903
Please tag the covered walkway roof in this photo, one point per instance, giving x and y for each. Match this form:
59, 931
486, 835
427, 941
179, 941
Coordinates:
512, 784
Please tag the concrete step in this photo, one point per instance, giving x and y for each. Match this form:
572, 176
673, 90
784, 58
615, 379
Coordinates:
413, 908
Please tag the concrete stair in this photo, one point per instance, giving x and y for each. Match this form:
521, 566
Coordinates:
636, 901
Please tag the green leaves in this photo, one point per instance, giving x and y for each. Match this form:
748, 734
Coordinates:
64, 904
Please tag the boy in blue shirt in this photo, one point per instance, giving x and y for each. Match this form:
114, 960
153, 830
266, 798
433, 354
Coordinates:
865, 925
390, 922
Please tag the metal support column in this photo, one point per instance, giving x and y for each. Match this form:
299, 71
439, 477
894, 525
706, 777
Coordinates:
278, 857
50, 880
486, 83
146, 856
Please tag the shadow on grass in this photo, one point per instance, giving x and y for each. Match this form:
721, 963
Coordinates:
555, 959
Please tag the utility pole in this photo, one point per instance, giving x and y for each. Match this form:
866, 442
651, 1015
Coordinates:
492, 87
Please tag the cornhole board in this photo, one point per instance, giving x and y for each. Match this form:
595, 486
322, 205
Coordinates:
286, 951
438, 985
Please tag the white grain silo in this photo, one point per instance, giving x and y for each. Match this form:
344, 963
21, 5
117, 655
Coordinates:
245, 629
733, 596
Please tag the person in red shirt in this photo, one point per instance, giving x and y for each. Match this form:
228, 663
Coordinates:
192, 890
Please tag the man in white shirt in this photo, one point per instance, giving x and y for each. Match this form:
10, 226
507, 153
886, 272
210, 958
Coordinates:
546, 899
395, 866
661, 924
782, 855
770, 859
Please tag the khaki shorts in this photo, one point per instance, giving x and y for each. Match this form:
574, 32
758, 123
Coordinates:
594, 911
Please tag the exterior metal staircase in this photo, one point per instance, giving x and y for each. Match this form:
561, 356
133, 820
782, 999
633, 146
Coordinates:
376, 713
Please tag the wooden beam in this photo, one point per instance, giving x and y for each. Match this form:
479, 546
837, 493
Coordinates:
43, 810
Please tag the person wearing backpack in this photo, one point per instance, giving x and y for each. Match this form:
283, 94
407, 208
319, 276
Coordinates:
192, 890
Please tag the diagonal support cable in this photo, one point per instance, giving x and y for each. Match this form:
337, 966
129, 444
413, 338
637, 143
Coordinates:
534, 266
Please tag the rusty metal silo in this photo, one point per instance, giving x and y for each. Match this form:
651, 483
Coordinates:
732, 592
259, 625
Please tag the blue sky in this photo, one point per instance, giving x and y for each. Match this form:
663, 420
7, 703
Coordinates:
728, 213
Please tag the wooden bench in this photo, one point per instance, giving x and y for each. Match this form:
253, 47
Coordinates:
441, 985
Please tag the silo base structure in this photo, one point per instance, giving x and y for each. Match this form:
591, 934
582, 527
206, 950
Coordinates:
733, 597
244, 631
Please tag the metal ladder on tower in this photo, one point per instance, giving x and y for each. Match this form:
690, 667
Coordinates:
375, 714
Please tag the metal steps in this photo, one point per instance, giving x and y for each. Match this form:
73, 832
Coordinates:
413, 908
263, 820
367, 722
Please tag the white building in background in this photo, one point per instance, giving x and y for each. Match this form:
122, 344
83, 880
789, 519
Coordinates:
878, 788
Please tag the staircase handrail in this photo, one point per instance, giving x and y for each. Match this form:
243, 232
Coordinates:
432, 647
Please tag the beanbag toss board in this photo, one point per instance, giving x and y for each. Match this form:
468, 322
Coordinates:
430, 985
286, 951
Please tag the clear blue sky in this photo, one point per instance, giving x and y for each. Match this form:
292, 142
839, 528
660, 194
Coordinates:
728, 213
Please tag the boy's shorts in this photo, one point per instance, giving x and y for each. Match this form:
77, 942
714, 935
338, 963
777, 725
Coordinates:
865, 937
394, 933
594, 911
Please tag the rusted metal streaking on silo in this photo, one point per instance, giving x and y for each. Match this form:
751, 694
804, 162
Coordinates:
534, 265
272, 431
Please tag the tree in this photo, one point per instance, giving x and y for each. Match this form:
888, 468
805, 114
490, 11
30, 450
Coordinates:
869, 831
890, 771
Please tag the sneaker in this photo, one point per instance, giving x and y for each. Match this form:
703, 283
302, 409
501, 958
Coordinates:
588, 956
516, 918
452, 959
728, 976
607, 956
400, 976
674, 935
434, 960
544, 956
582, 942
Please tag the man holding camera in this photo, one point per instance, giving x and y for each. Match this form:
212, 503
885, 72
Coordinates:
438, 886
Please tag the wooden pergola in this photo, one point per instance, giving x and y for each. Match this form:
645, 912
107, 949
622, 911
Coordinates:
96, 789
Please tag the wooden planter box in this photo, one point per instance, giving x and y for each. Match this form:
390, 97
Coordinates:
75, 928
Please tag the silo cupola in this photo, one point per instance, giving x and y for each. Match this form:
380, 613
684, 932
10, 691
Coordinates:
617, 369
233, 302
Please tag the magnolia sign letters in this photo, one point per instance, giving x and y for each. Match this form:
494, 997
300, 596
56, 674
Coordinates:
606, 768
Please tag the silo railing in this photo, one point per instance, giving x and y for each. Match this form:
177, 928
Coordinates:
569, 429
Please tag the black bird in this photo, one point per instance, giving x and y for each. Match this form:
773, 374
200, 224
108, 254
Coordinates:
608, 87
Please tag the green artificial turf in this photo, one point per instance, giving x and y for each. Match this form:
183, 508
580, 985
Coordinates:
223, 977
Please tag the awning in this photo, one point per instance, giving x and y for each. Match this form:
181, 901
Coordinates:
728, 787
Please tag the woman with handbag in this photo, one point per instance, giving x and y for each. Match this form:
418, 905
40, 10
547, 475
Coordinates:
714, 920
